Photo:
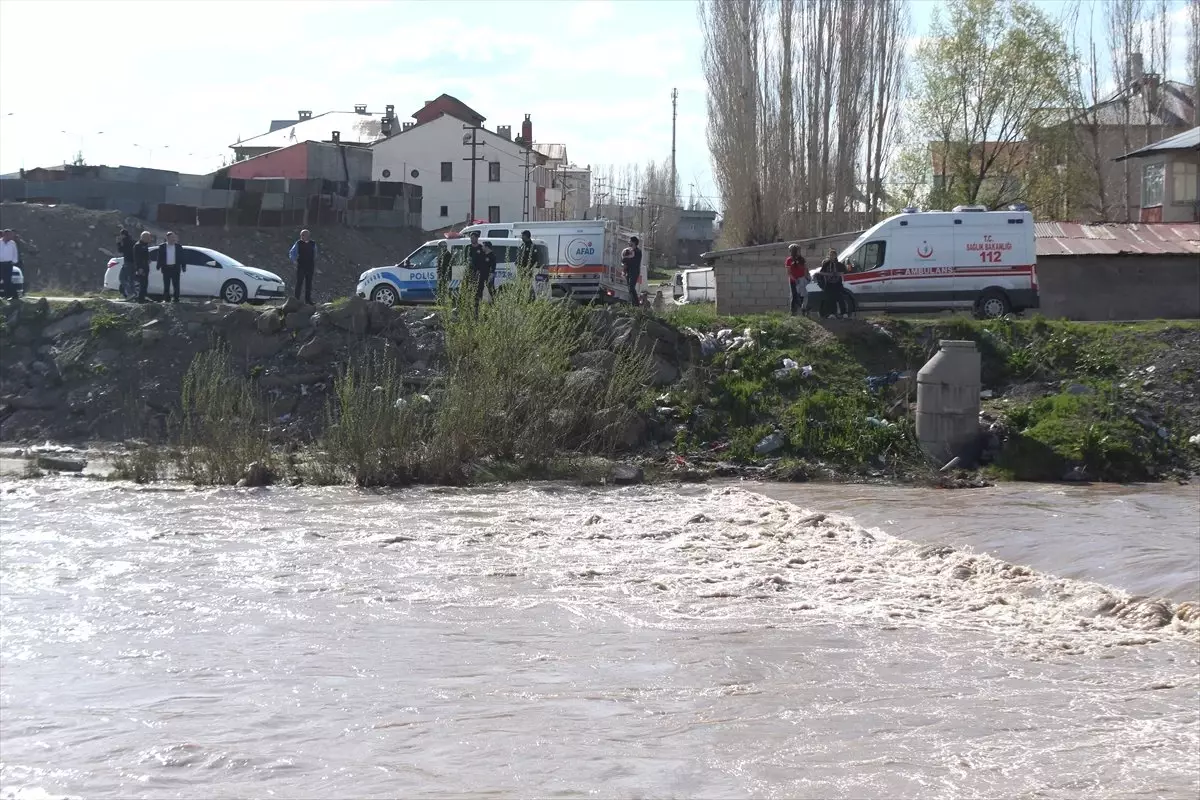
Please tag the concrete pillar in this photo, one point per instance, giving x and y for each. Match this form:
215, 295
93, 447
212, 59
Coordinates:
948, 400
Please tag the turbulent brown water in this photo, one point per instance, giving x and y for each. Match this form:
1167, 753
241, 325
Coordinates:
553, 642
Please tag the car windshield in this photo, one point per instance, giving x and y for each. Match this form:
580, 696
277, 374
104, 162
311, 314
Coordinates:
229, 261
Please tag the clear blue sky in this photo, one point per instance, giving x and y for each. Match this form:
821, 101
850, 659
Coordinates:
595, 74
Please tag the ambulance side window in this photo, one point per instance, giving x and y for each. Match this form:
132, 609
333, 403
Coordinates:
873, 255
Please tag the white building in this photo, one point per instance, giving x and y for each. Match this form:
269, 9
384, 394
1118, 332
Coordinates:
435, 152
570, 192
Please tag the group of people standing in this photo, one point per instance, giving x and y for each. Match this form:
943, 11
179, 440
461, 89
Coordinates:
135, 267
835, 299
481, 262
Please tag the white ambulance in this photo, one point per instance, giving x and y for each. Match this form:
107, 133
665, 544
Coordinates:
965, 259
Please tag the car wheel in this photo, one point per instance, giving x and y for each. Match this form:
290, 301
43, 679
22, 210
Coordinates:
386, 294
992, 304
233, 293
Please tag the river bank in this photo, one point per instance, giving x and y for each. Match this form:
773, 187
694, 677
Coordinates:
354, 392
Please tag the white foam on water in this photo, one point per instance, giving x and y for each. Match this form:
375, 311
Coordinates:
728, 552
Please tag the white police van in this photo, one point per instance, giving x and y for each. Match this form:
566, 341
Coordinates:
414, 280
965, 259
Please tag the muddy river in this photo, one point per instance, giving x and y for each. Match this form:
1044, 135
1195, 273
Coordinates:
532, 641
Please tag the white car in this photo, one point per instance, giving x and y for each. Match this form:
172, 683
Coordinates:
209, 273
414, 280
18, 281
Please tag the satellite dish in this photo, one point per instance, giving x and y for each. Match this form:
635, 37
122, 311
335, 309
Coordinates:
415, 173
466, 138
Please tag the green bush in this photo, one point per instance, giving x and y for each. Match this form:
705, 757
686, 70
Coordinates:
839, 428
222, 429
1053, 434
506, 398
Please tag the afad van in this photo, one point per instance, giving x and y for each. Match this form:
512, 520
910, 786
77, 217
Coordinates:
585, 256
414, 280
965, 259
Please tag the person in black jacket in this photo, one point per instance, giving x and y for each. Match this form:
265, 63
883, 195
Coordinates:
169, 262
444, 272
477, 264
834, 299
490, 261
125, 245
631, 260
304, 254
141, 265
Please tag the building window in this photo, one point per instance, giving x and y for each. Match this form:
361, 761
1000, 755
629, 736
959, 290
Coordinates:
1152, 185
1185, 178
493, 214
445, 211
447, 171
494, 171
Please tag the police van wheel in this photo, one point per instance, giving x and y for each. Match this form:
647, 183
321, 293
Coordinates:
385, 294
993, 304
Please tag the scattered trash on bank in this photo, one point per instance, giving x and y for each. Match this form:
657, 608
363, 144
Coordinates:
791, 368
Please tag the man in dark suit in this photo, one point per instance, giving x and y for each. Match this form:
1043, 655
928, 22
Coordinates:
141, 265
170, 264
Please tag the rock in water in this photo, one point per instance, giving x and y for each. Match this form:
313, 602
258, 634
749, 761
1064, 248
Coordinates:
57, 464
626, 475
257, 474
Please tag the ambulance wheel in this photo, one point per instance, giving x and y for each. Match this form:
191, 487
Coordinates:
992, 304
385, 294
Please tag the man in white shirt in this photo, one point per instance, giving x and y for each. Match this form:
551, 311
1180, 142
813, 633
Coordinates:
170, 264
9, 256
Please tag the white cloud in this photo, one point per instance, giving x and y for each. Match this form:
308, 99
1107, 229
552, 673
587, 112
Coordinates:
602, 87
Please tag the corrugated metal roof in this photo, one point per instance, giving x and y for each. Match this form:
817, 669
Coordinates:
1188, 140
1069, 238
353, 127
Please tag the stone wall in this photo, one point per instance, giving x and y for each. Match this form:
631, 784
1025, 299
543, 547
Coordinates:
752, 280
748, 285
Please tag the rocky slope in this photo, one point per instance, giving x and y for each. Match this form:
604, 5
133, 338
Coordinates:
775, 397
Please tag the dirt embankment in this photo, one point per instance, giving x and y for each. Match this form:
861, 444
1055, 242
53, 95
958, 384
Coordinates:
73, 246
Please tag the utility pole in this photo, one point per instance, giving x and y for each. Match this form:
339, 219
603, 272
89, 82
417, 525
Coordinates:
641, 201
674, 116
474, 158
600, 195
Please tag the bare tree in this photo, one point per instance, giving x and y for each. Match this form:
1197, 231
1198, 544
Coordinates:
1124, 18
802, 100
1193, 57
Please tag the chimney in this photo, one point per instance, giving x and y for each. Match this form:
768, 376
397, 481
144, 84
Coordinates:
304, 115
527, 131
406, 126
360, 109
505, 131
337, 137
1135, 69
389, 112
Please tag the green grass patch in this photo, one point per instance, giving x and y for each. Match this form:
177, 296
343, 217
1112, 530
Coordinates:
1058, 433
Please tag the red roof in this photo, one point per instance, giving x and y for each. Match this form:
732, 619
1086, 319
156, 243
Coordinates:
1070, 238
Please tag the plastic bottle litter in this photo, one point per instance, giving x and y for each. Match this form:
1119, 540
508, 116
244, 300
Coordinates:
769, 444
